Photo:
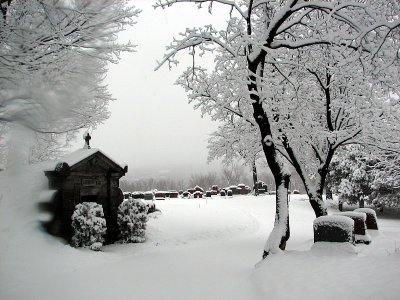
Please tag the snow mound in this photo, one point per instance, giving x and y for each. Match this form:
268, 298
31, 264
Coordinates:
330, 249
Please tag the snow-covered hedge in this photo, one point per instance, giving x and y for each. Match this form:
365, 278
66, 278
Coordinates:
132, 219
89, 226
333, 229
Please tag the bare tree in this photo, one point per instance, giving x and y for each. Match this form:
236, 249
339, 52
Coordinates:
206, 181
233, 174
235, 139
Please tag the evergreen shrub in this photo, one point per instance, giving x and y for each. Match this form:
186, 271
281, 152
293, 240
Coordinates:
89, 226
132, 220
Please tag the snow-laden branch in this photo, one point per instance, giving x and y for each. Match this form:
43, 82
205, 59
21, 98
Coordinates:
209, 94
345, 139
193, 38
287, 44
334, 6
166, 3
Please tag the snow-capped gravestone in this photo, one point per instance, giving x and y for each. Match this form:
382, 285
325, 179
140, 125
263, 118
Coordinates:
339, 229
372, 220
86, 175
197, 194
360, 228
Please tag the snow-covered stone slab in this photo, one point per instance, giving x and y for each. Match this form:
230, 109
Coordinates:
338, 229
360, 228
372, 220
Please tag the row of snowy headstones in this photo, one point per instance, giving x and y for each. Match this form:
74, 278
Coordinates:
89, 225
342, 227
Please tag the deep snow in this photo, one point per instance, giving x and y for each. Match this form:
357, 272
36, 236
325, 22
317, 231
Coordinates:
195, 249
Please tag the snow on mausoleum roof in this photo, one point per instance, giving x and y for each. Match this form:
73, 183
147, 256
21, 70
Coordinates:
77, 156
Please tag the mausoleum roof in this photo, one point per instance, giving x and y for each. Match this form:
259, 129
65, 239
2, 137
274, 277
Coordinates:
79, 155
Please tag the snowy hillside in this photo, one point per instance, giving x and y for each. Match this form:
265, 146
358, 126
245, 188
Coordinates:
196, 249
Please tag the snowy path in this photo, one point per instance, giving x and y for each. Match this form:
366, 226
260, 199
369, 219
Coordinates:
196, 250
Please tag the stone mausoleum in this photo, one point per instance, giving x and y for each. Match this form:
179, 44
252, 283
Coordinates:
86, 175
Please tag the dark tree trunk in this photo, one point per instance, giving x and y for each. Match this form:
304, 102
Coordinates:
328, 191
315, 197
281, 231
361, 203
317, 203
314, 193
255, 178
4, 4
340, 205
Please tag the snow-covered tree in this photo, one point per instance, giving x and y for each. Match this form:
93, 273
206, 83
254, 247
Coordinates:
360, 175
53, 60
325, 106
350, 175
89, 226
132, 220
386, 182
260, 51
236, 140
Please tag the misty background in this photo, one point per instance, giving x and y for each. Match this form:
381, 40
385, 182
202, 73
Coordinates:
152, 128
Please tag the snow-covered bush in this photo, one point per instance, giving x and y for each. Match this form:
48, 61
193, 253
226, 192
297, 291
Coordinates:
89, 226
132, 219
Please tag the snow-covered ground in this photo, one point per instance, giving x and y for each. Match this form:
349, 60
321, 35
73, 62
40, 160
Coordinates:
196, 249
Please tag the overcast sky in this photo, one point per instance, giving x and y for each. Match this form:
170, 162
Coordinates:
152, 127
